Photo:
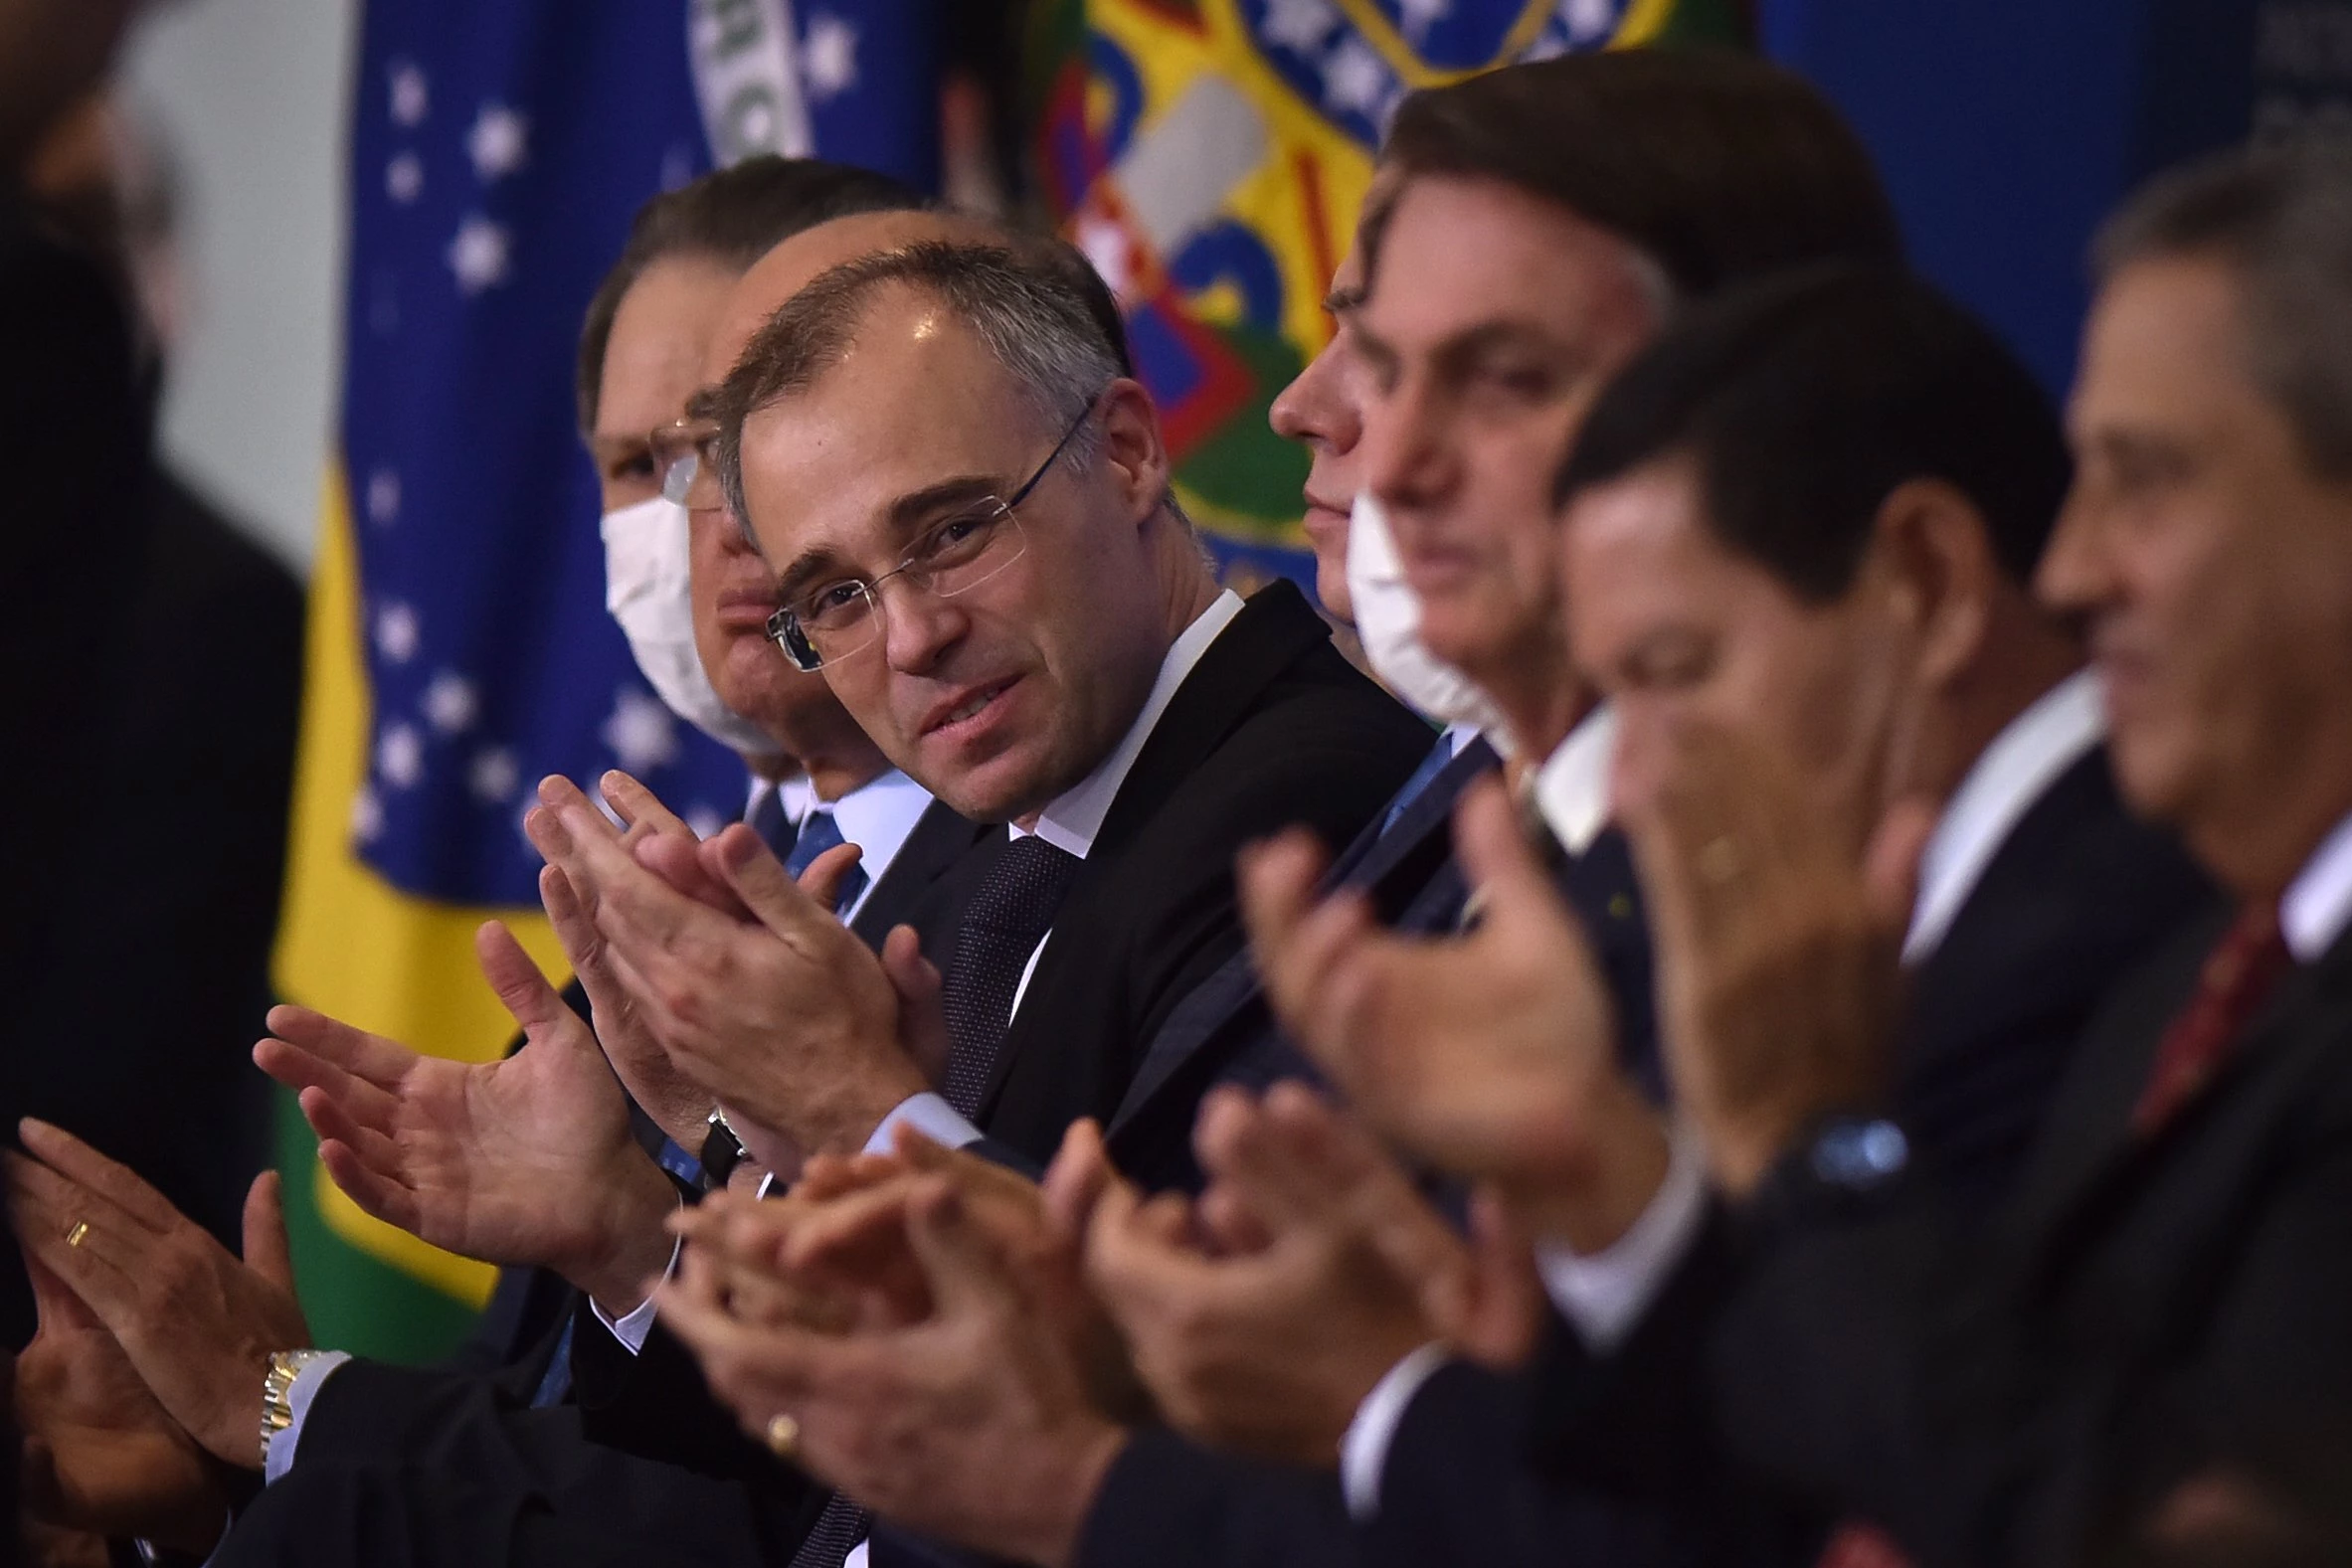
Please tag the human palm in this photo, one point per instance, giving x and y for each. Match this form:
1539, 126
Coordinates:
519, 1161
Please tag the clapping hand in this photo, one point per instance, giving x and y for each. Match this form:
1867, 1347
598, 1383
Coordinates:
780, 1013
1491, 1055
196, 1323
1778, 949
1261, 1316
529, 1160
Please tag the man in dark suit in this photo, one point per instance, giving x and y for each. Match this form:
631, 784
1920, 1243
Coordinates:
2161, 1297
1709, 586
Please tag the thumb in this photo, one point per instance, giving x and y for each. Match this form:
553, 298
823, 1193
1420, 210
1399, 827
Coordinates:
822, 879
1891, 866
529, 999
55, 1305
267, 1250
922, 1024
744, 862
1495, 854
1502, 1311
962, 1266
1079, 1175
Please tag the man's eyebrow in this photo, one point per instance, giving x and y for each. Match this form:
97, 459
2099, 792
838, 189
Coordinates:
1342, 300
704, 403
905, 515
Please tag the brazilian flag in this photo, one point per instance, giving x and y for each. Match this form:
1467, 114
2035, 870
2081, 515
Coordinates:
1210, 155
459, 645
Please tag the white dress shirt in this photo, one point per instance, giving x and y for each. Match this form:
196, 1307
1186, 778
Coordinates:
2317, 904
1070, 822
1603, 1294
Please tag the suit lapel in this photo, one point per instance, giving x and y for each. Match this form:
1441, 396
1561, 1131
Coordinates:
1274, 628
1230, 995
938, 838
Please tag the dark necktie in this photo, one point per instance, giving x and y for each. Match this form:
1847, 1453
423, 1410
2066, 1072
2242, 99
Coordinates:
818, 834
840, 1527
1008, 917
2238, 975
767, 820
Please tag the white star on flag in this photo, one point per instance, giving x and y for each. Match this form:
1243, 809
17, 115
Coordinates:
496, 144
410, 100
382, 495
400, 756
1422, 15
367, 815
397, 632
829, 56
449, 702
494, 776
1300, 25
640, 732
1353, 79
1587, 18
404, 178
479, 254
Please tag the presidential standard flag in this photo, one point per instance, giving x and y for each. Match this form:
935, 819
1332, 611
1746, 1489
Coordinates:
459, 645
1210, 155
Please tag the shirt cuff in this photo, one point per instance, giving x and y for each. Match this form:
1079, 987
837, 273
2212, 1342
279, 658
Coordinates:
1364, 1447
928, 1115
632, 1327
299, 1394
1605, 1293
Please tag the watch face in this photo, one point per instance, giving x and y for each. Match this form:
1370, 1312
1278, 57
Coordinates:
1861, 1154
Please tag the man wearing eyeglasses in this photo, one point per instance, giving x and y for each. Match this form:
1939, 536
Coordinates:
968, 512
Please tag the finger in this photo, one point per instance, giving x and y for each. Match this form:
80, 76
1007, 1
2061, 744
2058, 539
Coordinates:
377, 1193
67, 1155
922, 1022
570, 806
93, 1245
56, 1308
371, 1056
1234, 1227
332, 1122
1504, 1306
1276, 887
766, 888
1079, 1175
684, 863
268, 1252
305, 1071
525, 992
822, 880
966, 1272
641, 810
1891, 868
1495, 857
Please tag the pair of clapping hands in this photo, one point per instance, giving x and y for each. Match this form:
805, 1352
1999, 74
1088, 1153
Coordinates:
714, 980
965, 1351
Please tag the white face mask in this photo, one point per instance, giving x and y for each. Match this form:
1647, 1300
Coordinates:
1388, 621
647, 588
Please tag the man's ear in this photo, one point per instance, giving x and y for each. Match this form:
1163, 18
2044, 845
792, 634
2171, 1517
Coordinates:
1133, 450
1939, 563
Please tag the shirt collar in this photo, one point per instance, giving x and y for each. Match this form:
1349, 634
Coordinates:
877, 816
2317, 905
1573, 785
796, 795
2054, 733
1072, 819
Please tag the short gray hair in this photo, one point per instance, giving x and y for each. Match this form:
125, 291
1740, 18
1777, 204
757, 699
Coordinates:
2280, 219
1029, 314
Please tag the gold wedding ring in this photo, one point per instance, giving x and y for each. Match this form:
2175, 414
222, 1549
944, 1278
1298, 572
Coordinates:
76, 1233
783, 1436
1720, 860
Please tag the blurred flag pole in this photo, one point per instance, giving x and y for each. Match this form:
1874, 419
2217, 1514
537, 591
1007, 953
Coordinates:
458, 648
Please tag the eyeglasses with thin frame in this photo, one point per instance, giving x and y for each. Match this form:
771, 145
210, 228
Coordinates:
683, 453
844, 615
